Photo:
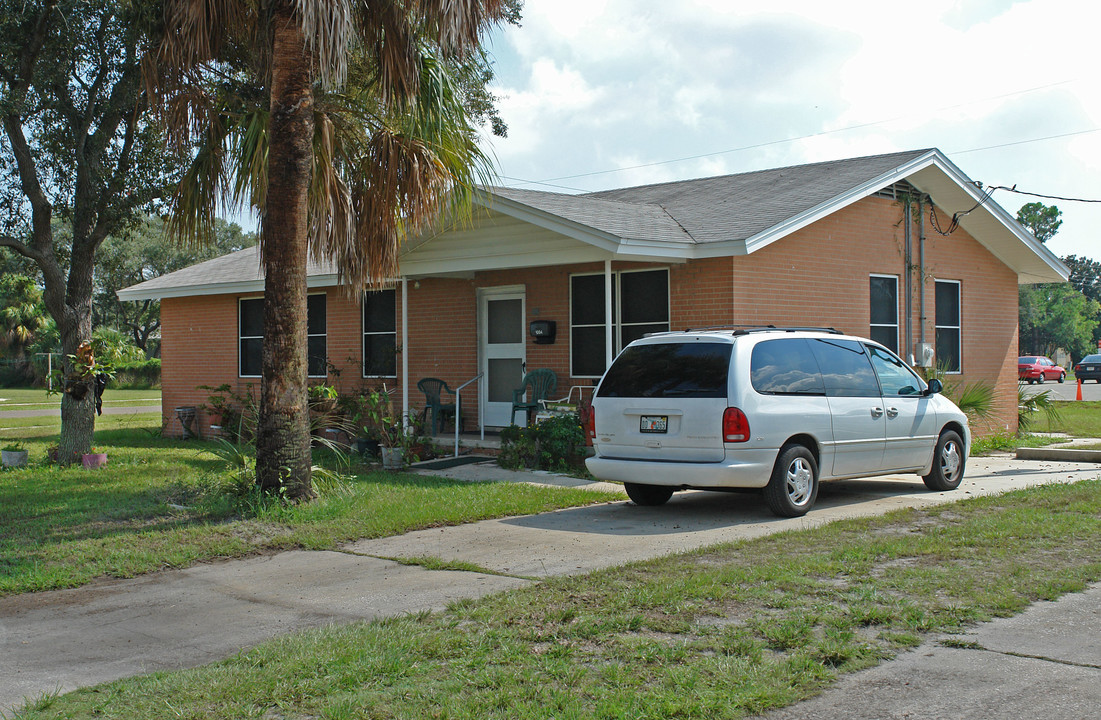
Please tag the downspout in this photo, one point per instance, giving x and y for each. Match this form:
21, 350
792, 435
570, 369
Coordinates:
908, 214
405, 351
921, 269
607, 314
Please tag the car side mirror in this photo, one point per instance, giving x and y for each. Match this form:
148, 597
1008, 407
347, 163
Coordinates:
934, 387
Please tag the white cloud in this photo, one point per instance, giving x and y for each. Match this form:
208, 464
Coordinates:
610, 84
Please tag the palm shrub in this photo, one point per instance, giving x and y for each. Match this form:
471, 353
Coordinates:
1032, 405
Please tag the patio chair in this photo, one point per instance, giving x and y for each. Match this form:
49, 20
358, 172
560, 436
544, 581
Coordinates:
543, 383
432, 389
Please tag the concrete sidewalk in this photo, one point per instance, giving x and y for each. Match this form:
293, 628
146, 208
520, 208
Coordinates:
118, 628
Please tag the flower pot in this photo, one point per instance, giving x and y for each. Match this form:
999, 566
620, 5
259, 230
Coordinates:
392, 458
367, 447
14, 458
94, 460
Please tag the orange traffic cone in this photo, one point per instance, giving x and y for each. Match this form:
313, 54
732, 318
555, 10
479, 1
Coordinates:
1079, 397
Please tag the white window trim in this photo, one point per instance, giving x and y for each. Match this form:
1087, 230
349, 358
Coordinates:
324, 335
363, 333
617, 326
959, 319
871, 324
241, 337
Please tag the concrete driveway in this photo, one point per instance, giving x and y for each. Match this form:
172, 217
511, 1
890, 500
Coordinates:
117, 628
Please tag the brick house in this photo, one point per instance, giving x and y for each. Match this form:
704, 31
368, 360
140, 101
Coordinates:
825, 244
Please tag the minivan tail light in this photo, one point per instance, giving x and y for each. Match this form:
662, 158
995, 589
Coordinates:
592, 424
735, 426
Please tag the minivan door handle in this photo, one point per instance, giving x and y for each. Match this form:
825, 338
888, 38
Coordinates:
892, 412
877, 412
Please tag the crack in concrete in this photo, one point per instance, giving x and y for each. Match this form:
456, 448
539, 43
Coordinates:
1026, 656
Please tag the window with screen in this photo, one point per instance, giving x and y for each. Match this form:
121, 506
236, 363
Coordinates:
640, 305
883, 307
380, 334
948, 326
250, 329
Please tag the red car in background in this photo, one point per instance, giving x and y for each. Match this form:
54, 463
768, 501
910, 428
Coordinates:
1038, 369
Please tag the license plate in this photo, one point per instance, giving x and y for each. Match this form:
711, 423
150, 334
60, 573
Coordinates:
654, 424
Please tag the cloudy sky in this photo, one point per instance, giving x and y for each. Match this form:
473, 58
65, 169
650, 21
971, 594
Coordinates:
613, 93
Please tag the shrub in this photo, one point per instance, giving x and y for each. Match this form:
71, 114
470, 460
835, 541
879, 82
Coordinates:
557, 443
138, 374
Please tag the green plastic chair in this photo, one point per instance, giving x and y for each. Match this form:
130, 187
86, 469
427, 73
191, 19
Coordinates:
432, 389
543, 383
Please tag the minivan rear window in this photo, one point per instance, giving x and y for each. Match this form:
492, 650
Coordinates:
694, 370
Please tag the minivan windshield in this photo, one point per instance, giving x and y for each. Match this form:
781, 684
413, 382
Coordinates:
694, 370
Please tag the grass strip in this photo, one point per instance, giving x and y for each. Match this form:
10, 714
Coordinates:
723, 632
163, 503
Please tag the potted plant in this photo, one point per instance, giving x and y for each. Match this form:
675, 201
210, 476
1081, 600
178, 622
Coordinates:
383, 424
14, 455
323, 399
93, 459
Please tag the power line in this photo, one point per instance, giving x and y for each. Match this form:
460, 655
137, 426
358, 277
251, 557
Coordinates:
1039, 195
549, 181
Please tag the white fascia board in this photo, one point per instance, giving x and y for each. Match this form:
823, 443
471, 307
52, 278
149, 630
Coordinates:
441, 267
232, 288
811, 215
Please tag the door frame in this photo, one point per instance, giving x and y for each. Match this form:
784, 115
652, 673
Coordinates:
484, 295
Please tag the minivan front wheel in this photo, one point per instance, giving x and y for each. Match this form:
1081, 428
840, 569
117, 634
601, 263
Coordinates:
948, 463
794, 483
648, 495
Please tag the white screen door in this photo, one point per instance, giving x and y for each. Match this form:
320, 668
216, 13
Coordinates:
502, 343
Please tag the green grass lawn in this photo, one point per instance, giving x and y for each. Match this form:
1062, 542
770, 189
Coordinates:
1078, 419
168, 503
722, 632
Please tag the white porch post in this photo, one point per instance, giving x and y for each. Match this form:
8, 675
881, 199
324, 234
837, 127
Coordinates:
607, 314
405, 351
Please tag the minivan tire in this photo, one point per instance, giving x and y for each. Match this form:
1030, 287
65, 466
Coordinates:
648, 495
948, 463
793, 487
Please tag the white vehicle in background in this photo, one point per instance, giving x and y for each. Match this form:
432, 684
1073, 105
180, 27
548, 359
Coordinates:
778, 409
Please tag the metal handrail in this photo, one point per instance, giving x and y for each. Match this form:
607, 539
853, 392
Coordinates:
459, 412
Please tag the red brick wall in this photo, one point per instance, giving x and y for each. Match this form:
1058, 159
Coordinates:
817, 276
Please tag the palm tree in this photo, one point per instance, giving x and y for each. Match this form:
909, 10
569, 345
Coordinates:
338, 122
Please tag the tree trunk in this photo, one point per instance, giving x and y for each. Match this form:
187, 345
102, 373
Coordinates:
78, 407
282, 437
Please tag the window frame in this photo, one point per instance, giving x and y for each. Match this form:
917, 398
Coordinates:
872, 325
617, 314
364, 332
249, 298
958, 327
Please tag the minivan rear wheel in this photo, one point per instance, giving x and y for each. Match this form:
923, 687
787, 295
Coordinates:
948, 463
648, 495
793, 487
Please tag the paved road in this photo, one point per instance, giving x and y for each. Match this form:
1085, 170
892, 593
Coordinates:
56, 411
1067, 390
118, 628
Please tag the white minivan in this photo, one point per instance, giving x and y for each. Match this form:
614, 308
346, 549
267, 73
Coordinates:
771, 408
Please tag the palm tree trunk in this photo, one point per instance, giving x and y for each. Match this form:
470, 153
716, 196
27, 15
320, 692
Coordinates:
283, 438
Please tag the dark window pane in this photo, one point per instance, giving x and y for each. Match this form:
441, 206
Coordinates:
505, 321
587, 299
252, 317
587, 351
884, 300
316, 356
644, 296
886, 336
948, 349
251, 357
846, 371
785, 367
504, 376
948, 304
694, 370
379, 357
315, 315
379, 311
630, 333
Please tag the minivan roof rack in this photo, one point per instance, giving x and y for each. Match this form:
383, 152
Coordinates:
746, 329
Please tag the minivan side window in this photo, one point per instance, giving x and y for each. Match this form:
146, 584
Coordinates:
846, 371
894, 377
694, 370
785, 367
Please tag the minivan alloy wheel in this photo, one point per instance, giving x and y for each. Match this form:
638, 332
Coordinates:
948, 463
794, 483
799, 483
